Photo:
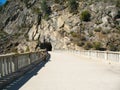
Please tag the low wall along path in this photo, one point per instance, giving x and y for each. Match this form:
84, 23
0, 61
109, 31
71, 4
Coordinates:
13, 66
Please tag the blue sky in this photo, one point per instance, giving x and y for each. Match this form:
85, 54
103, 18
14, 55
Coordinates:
2, 2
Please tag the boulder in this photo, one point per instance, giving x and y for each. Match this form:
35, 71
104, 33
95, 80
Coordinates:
112, 11
105, 19
32, 45
67, 28
32, 32
75, 29
37, 36
60, 22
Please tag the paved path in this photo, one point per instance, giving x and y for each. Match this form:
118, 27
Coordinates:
66, 71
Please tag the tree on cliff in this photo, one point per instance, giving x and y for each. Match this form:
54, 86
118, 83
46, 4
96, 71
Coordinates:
73, 6
46, 10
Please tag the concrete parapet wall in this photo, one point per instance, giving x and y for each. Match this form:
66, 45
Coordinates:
11, 63
103, 55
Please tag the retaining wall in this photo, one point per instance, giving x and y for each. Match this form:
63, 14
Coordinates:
11, 63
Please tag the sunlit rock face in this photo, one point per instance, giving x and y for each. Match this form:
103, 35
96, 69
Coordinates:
22, 20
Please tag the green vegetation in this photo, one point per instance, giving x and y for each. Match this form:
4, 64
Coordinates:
97, 45
15, 51
60, 1
27, 49
85, 16
112, 47
118, 29
3, 34
93, 45
117, 3
73, 6
113, 43
87, 46
106, 31
46, 17
98, 29
36, 10
57, 1
46, 10
98, 22
74, 34
91, 34
80, 43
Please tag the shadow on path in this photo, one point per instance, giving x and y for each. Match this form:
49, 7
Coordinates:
22, 80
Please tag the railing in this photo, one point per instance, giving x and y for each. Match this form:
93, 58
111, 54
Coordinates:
11, 63
103, 55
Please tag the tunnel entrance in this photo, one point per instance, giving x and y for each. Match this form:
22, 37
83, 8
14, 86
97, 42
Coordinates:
46, 45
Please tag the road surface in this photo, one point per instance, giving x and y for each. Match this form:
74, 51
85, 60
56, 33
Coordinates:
67, 71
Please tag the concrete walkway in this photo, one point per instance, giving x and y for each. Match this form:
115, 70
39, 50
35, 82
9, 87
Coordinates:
67, 71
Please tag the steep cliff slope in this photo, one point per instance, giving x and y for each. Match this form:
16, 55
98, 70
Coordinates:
92, 24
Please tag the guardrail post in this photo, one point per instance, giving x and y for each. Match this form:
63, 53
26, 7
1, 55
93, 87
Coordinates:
1, 70
97, 54
119, 57
89, 54
5, 66
106, 55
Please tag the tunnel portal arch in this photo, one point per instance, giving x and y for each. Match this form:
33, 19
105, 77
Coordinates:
46, 45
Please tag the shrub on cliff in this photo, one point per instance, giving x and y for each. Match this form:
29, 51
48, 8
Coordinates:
87, 46
57, 1
85, 16
46, 10
97, 45
118, 3
73, 6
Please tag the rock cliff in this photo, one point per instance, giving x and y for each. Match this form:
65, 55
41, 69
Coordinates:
24, 26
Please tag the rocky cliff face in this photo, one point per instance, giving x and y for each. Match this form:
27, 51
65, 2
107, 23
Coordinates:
23, 27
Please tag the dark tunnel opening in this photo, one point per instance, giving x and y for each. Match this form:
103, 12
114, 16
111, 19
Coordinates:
46, 45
